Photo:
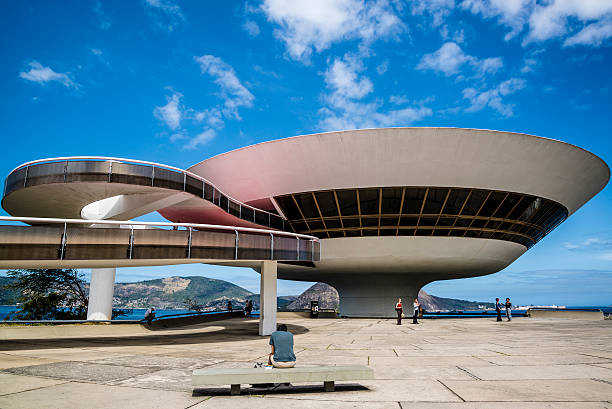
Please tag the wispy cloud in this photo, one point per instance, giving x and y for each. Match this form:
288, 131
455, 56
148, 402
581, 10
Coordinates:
171, 113
576, 22
347, 86
251, 28
184, 121
493, 97
591, 243
104, 21
166, 14
43, 75
314, 25
450, 58
234, 94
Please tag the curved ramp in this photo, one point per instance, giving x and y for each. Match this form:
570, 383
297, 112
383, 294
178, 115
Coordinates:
77, 243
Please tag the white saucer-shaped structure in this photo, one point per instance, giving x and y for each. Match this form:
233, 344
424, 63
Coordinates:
398, 208
393, 209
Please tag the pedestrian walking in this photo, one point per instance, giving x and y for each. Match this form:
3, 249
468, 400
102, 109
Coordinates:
498, 308
415, 311
508, 309
399, 311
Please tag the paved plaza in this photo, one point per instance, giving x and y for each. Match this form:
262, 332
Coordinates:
446, 363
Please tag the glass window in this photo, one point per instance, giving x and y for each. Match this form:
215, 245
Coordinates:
474, 202
368, 199
435, 200
455, 201
492, 203
348, 202
327, 203
391, 200
307, 205
413, 200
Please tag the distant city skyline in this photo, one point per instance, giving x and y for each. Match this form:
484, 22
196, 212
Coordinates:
179, 82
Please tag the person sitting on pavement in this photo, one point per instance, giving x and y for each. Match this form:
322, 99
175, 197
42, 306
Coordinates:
150, 315
282, 355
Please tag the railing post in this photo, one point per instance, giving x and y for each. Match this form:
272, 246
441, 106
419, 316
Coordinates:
236, 246
189, 243
271, 246
110, 170
63, 248
65, 170
153, 176
312, 244
131, 240
298, 248
25, 179
184, 182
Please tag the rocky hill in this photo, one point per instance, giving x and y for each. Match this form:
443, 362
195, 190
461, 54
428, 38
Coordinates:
328, 299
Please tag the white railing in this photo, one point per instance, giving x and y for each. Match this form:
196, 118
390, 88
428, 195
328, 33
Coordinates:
138, 162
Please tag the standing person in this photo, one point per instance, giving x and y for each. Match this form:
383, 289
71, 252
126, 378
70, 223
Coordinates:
498, 308
248, 308
508, 309
415, 312
229, 305
398, 310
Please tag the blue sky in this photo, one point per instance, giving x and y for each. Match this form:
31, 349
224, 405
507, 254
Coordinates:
179, 81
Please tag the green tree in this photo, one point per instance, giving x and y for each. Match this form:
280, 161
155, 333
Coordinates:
50, 294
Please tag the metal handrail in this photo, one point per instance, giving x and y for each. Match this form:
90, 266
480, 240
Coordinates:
164, 224
138, 162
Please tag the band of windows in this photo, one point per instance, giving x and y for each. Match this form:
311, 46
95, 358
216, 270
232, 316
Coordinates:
422, 211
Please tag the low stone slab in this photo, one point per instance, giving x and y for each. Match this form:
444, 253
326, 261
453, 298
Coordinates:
236, 376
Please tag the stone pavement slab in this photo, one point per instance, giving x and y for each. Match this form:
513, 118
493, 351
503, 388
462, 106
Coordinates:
507, 405
551, 359
579, 371
14, 383
11, 361
79, 371
532, 390
73, 395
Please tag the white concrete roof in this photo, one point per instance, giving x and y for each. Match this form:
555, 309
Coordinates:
448, 157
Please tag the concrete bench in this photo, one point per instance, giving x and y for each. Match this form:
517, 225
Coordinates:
326, 374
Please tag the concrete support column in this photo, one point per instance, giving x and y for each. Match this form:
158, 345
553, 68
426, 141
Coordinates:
267, 298
101, 290
375, 295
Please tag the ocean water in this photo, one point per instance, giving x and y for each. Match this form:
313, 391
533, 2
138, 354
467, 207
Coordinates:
138, 313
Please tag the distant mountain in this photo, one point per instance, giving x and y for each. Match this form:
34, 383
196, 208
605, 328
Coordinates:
328, 299
171, 292
324, 293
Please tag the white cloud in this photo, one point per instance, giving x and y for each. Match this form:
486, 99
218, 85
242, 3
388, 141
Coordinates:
449, 59
307, 25
344, 108
511, 13
171, 113
382, 67
437, 9
493, 97
580, 22
166, 13
251, 27
201, 139
42, 75
235, 94
594, 34
104, 22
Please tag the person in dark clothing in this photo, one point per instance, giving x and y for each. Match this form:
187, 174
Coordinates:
415, 312
398, 310
150, 315
281, 342
498, 308
248, 308
229, 305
